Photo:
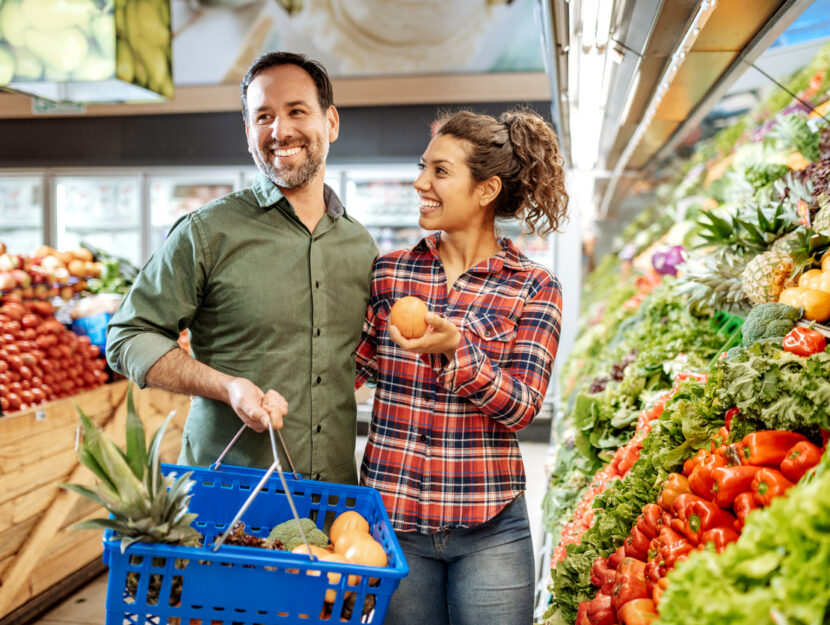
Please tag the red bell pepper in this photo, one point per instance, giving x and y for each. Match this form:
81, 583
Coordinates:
629, 456
769, 484
692, 463
650, 520
701, 481
743, 505
654, 572
659, 589
598, 571
601, 612
719, 536
638, 612
582, 614
675, 484
616, 558
768, 447
731, 482
674, 547
801, 457
804, 342
720, 439
636, 544
730, 414
699, 516
631, 582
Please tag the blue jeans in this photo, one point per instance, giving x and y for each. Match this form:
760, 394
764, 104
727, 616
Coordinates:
478, 576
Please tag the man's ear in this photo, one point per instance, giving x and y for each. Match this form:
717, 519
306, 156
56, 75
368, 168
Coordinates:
489, 190
333, 122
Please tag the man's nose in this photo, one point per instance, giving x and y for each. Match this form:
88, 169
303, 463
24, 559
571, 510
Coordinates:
281, 129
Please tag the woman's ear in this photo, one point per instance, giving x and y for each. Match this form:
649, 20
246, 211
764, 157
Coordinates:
489, 190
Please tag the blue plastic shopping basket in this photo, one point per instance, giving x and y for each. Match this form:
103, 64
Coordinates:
161, 584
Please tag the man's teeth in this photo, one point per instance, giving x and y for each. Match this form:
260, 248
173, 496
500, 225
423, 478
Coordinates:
288, 151
429, 204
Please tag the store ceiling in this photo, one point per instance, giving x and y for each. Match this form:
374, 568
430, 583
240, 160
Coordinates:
666, 63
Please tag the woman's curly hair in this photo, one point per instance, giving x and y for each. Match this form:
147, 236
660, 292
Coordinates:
522, 150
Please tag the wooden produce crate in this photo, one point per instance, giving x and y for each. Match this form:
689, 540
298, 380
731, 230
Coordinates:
37, 452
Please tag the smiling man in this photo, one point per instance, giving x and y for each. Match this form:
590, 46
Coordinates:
272, 282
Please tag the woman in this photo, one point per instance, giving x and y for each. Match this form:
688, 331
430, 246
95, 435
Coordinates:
442, 447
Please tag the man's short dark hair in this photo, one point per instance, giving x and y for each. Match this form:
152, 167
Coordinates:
325, 93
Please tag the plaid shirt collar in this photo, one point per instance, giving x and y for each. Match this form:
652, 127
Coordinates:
508, 258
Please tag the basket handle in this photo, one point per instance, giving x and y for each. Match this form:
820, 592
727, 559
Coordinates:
215, 466
258, 488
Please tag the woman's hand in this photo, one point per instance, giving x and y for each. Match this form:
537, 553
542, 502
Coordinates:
441, 337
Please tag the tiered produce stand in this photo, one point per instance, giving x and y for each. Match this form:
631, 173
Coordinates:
38, 551
691, 483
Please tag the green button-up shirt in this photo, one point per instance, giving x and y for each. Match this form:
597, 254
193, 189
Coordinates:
266, 300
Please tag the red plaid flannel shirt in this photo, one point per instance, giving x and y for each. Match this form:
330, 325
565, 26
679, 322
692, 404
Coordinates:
442, 448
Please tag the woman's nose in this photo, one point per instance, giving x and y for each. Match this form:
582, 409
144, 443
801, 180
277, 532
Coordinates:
421, 182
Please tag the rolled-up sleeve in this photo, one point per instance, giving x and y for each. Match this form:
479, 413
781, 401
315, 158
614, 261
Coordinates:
162, 302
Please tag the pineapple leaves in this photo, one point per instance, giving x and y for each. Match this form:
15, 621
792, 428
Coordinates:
136, 439
143, 503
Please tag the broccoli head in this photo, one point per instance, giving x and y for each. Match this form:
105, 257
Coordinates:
770, 320
288, 534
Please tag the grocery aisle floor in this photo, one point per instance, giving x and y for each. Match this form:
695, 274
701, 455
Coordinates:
86, 607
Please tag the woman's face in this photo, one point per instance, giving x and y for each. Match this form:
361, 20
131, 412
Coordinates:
450, 200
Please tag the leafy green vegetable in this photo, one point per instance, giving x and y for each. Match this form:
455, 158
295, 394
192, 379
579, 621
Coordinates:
776, 389
775, 572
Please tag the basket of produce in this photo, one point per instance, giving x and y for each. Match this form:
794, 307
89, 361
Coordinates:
178, 556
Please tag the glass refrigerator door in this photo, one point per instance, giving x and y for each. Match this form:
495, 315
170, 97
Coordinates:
383, 200
103, 211
21, 213
172, 196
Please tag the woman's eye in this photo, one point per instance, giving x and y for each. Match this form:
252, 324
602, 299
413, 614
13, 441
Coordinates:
421, 166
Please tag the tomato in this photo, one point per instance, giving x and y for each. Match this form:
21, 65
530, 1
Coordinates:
25, 372
4, 404
15, 362
30, 320
26, 396
38, 395
4, 366
14, 401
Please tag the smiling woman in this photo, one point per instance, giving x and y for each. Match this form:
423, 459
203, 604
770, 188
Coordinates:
442, 447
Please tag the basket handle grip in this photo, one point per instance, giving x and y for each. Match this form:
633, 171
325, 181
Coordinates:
258, 488
215, 466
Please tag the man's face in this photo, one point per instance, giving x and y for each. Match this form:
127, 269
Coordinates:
288, 133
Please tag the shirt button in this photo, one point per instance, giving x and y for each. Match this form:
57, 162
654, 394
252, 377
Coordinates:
319, 428
317, 284
423, 438
319, 379
487, 333
318, 331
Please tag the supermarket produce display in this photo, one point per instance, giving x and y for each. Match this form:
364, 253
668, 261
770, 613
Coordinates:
690, 479
54, 306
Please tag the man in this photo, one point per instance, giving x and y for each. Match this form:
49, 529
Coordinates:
273, 283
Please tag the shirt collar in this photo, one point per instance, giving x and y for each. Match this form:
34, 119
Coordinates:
509, 257
268, 195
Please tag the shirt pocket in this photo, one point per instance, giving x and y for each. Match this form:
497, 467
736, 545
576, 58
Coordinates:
493, 333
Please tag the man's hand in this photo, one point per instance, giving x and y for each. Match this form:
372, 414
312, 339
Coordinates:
442, 337
247, 401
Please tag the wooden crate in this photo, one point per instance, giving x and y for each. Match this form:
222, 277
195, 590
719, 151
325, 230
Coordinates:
37, 452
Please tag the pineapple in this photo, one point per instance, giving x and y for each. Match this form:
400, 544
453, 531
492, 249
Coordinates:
821, 220
766, 275
714, 282
146, 506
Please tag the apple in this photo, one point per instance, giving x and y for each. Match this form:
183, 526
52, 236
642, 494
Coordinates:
21, 277
7, 281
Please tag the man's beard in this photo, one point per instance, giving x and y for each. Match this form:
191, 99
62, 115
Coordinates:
292, 177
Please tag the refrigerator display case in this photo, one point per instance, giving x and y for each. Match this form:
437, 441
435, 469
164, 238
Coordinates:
104, 211
22, 204
173, 195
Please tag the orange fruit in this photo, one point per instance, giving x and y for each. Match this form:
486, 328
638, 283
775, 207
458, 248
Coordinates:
368, 552
346, 521
408, 314
348, 537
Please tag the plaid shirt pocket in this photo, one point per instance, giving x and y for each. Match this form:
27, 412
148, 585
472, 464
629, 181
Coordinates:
492, 333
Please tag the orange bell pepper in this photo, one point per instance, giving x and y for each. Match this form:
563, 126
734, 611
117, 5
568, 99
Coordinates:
768, 447
769, 484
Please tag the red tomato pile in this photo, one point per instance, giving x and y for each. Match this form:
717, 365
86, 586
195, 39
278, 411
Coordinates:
40, 360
